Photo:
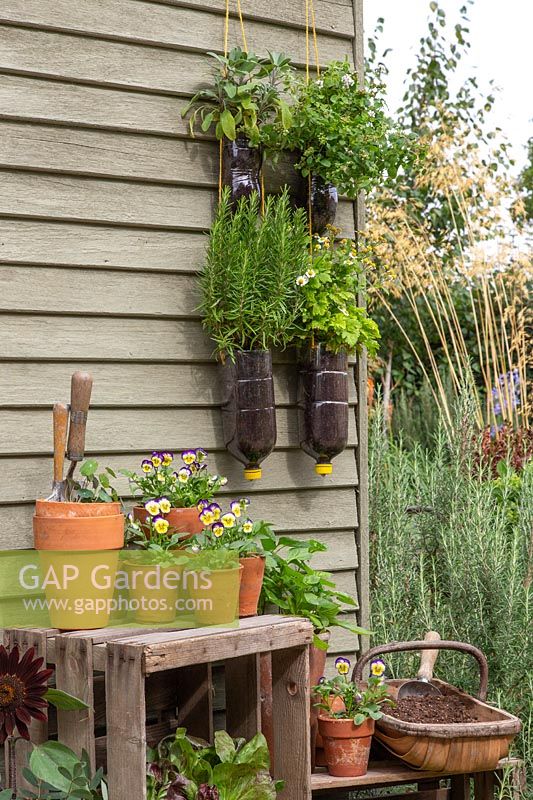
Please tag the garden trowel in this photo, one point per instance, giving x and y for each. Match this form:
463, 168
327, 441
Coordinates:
80, 397
60, 416
421, 685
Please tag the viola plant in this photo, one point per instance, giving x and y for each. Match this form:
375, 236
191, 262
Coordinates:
344, 133
152, 537
341, 698
163, 484
232, 529
329, 313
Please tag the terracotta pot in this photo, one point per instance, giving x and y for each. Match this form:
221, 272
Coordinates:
51, 508
241, 168
248, 408
220, 599
253, 570
85, 533
323, 411
157, 604
347, 746
181, 520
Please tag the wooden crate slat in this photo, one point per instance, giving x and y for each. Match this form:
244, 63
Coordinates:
74, 674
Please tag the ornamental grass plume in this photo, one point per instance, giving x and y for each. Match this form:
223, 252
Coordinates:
23, 684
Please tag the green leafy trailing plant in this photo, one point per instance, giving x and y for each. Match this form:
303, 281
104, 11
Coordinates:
184, 768
245, 98
56, 773
232, 530
250, 296
329, 288
297, 589
343, 132
96, 487
341, 698
164, 485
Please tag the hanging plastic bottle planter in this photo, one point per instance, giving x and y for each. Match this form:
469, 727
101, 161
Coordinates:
241, 168
320, 199
323, 405
248, 409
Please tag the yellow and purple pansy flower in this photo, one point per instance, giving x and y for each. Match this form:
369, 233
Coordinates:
218, 529
236, 507
152, 506
184, 474
217, 511
228, 519
200, 455
247, 526
206, 516
188, 456
342, 665
202, 504
156, 459
167, 458
377, 668
164, 504
160, 524
146, 466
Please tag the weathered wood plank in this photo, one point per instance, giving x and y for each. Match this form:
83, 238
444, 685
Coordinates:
194, 695
117, 64
65, 244
73, 199
177, 27
117, 385
290, 697
288, 511
126, 723
62, 291
25, 479
71, 150
135, 429
74, 674
331, 16
25, 97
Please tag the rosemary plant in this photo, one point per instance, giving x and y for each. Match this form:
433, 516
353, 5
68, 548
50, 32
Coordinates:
250, 295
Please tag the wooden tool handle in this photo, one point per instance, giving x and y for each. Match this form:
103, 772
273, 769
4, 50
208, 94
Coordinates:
60, 415
80, 398
428, 657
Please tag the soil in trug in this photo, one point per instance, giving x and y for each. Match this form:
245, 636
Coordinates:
435, 709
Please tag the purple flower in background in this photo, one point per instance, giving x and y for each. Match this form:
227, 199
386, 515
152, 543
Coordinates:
506, 394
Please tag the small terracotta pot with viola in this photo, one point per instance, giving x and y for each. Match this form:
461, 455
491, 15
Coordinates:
346, 745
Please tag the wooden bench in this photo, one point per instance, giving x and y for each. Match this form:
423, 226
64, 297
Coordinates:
388, 774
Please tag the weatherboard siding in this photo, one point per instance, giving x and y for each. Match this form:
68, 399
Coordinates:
104, 205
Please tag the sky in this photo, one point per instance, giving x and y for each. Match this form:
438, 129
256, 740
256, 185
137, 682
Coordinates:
501, 35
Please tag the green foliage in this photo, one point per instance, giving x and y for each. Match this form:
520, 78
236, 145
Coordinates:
526, 182
184, 768
231, 531
250, 297
329, 289
96, 487
451, 552
357, 704
181, 485
244, 99
297, 589
64, 700
56, 773
344, 133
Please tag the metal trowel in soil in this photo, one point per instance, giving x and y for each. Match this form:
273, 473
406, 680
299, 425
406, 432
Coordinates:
59, 486
80, 397
421, 686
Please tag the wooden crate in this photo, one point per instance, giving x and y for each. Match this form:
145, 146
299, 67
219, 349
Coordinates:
143, 684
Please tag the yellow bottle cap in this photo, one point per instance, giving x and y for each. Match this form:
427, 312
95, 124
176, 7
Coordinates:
253, 473
324, 468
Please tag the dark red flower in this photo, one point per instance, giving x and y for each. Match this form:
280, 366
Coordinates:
23, 685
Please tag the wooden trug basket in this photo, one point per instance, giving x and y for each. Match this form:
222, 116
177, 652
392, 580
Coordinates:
461, 747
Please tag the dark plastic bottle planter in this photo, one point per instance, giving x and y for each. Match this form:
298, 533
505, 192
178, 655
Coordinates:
322, 203
323, 405
241, 168
248, 409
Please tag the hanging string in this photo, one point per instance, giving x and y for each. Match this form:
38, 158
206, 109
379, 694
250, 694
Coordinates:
315, 38
239, 9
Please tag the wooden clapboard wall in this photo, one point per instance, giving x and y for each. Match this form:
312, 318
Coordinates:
104, 204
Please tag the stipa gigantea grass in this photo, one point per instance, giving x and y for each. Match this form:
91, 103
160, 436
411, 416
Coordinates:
445, 555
